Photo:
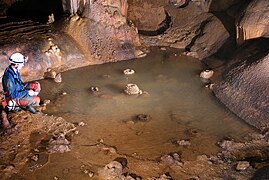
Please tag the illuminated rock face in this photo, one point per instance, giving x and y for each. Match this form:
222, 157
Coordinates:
99, 34
244, 84
254, 23
187, 27
44, 47
102, 32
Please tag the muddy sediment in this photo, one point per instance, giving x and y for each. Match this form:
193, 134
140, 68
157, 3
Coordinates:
76, 147
29, 149
34, 143
28, 142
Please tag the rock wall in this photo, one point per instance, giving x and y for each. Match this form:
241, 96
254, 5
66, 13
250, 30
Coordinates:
142, 16
45, 47
185, 27
73, 6
253, 22
95, 33
4, 5
244, 84
103, 33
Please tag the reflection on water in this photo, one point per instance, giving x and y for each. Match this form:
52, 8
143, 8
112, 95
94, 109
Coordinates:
177, 102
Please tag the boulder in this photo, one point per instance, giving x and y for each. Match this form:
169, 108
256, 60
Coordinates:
253, 22
201, 34
188, 27
243, 87
149, 19
209, 39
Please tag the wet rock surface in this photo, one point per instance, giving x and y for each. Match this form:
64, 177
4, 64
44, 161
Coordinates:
243, 86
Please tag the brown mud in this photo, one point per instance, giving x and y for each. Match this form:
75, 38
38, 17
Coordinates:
28, 149
51, 147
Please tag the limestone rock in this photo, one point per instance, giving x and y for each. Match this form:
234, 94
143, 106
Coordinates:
180, 3
111, 170
103, 32
183, 142
243, 87
254, 23
172, 159
44, 49
58, 78
212, 35
51, 19
142, 16
201, 34
242, 165
59, 145
206, 74
50, 73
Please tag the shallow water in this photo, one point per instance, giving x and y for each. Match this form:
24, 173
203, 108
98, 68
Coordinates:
179, 105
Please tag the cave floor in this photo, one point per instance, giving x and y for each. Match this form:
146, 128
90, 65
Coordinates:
181, 125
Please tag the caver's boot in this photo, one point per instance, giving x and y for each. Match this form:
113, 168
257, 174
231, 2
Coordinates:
32, 110
17, 109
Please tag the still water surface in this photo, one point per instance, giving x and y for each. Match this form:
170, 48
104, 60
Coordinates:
181, 108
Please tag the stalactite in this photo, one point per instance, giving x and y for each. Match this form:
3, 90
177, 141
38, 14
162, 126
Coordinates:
72, 6
124, 7
240, 35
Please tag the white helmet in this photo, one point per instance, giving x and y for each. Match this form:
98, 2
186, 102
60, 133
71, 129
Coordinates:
11, 105
17, 58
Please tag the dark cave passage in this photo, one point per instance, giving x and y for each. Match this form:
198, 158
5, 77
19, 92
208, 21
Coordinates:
36, 10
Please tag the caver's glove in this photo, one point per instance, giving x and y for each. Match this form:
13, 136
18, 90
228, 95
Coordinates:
31, 93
